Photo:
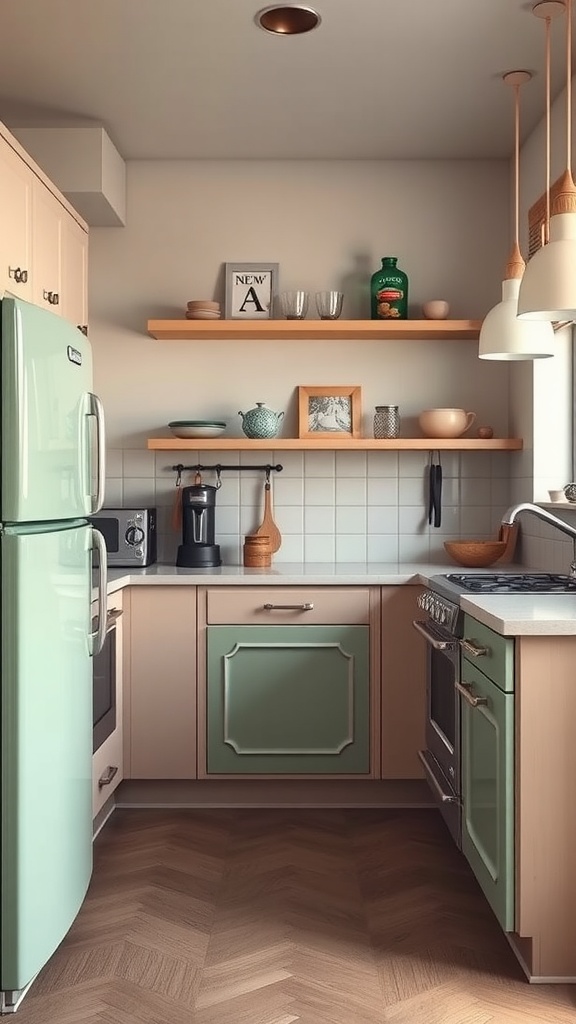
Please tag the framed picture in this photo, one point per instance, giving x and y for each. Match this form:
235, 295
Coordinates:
326, 411
250, 290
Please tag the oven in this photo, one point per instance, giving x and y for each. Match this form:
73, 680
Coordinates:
443, 631
104, 683
441, 758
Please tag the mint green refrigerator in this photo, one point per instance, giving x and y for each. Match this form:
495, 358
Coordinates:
51, 479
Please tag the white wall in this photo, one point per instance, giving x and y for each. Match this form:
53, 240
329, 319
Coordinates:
321, 221
327, 223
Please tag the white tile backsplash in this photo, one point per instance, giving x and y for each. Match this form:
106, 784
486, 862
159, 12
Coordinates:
319, 547
338, 506
139, 464
319, 519
318, 464
351, 464
382, 464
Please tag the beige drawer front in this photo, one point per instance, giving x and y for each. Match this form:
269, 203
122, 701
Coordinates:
107, 758
290, 605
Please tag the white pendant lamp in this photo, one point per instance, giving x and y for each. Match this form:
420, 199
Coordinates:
548, 290
502, 335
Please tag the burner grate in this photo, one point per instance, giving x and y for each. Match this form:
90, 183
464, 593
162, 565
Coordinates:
513, 583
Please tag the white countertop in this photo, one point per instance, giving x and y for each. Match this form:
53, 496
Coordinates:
284, 574
508, 614
525, 614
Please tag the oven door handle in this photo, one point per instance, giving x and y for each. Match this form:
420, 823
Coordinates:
438, 645
445, 798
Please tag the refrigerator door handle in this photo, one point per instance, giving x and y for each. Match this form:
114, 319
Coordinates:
97, 410
99, 636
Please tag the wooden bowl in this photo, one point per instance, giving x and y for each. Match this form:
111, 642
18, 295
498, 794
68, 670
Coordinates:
475, 553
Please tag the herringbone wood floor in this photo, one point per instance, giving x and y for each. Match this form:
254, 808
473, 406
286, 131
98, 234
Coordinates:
272, 917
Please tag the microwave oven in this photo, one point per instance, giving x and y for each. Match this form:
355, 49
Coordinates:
129, 535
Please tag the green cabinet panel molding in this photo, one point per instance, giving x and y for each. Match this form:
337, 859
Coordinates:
487, 749
288, 699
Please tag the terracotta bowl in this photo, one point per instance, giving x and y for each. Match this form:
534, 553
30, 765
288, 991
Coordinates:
475, 553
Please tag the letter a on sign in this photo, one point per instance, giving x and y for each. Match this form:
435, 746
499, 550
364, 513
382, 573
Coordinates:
251, 300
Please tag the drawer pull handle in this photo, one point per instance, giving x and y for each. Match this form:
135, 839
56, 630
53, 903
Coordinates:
107, 776
474, 650
307, 607
465, 689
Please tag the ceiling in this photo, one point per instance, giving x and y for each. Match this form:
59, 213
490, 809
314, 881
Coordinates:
378, 79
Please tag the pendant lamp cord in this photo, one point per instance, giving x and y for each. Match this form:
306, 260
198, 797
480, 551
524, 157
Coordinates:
516, 163
546, 237
569, 86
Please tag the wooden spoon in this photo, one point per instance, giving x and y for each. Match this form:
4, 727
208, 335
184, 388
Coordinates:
268, 527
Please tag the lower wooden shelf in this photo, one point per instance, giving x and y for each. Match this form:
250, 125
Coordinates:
277, 444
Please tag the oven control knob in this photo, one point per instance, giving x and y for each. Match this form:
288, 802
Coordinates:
443, 616
138, 552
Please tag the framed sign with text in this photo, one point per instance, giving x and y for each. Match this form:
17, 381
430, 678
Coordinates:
250, 290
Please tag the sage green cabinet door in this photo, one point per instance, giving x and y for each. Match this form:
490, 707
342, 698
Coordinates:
488, 790
288, 699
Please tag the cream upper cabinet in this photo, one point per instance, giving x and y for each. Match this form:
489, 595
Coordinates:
46, 248
16, 180
74, 272
43, 243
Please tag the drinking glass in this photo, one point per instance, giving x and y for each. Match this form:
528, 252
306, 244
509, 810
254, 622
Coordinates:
329, 304
294, 305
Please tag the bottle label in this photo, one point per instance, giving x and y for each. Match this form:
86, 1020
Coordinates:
387, 299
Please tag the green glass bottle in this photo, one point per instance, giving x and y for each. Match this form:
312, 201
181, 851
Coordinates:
389, 291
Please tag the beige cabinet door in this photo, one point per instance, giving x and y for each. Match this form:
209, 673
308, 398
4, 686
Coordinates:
161, 718
46, 247
74, 302
403, 684
15, 224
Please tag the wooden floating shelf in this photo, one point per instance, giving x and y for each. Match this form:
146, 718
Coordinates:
314, 330
279, 444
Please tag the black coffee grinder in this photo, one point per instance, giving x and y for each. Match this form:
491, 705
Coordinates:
198, 550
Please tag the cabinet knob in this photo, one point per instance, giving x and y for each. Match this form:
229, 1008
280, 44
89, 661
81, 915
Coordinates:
52, 297
83, 328
19, 275
107, 776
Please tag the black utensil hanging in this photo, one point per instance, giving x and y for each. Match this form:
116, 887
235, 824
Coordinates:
435, 491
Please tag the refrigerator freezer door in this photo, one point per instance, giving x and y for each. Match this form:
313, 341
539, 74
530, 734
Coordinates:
47, 416
46, 737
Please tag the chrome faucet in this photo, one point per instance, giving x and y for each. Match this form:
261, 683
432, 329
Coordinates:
526, 506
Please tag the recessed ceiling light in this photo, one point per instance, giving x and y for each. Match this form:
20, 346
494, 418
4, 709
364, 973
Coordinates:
288, 21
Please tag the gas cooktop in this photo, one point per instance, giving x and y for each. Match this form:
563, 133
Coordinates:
512, 583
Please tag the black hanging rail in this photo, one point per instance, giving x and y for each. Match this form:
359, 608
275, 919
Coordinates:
219, 468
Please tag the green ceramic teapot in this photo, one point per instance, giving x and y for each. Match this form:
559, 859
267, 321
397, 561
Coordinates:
261, 421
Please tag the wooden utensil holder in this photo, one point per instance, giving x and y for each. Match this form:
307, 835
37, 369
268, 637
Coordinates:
257, 553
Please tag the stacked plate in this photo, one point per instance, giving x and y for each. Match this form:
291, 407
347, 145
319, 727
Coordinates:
202, 309
197, 428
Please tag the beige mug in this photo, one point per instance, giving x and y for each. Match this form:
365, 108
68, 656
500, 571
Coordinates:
445, 422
